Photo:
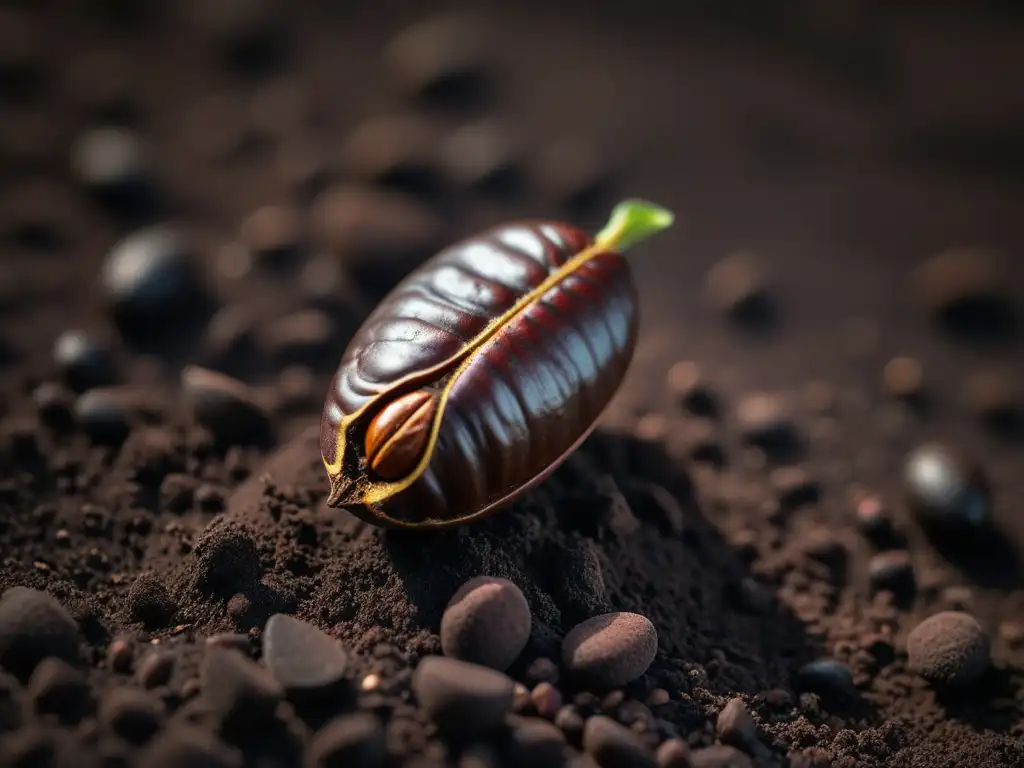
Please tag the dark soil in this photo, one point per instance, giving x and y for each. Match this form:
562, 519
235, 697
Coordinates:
840, 152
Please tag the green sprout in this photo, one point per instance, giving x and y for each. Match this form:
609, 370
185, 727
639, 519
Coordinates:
632, 221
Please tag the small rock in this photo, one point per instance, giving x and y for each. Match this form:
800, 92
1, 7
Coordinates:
947, 489
225, 405
53, 403
736, 287
688, 384
536, 742
547, 700
826, 677
441, 60
111, 164
380, 235
612, 745
765, 420
542, 670
274, 234
873, 520
83, 362
149, 601
394, 151
229, 338
177, 491
486, 622
572, 172
102, 417
464, 700
131, 713
230, 641
307, 337
33, 627
241, 693
736, 727
720, 756
892, 571
965, 289
673, 753
303, 659
155, 669
356, 739
949, 648
903, 378
482, 158
56, 688
610, 650
185, 745
794, 487
120, 656
210, 498
149, 276
995, 398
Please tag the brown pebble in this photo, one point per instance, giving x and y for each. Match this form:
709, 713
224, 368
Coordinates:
542, 670
948, 648
735, 726
993, 396
610, 650
394, 151
764, 418
658, 697
794, 487
1012, 633
952, 278
673, 753
735, 286
547, 700
482, 157
120, 655
155, 669
273, 233
486, 622
720, 756
464, 700
612, 745
688, 384
903, 378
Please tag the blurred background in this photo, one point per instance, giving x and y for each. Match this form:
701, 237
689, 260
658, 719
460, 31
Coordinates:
235, 184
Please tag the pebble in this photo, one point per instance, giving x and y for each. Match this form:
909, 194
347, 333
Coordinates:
155, 669
542, 670
57, 688
177, 492
948, 648
464, 700
224, 405
486, 622
481, 157
306, 337
547, 700
83, 361
274, 234
303, 659
53, 403
34, 626
873, 519
379, 235
240, 692
356, 739
736, 727
892, 571
571, 172
688, 384
735, 286
120, 656
826, 677
946, 488
228, 339
187, 745
957, 281
536, 742
673, 753
612, 745
794, 487
149, 601
131, 713
102, 415
440, 60
765, 419
393, 151
230, 641
994, 397
570, 722
903, 378
720, 756
610, 650
110, 163
149, 276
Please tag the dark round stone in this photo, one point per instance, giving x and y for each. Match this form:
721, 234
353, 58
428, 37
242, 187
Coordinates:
673, 753
155, 669
150, 276
111, 164
103, 416
83, 361
56, 688
536, 742
826, 677
872, 518
486, 622
149, 601
356, 739
612, 745
949, 648
241, 694
464, 700
226, 406
892, 571
131, 713
610, 650
302, 658
34, 626
947, 489
965, 290
766, 420
53, 403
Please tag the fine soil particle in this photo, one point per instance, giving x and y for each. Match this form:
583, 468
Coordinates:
234, 186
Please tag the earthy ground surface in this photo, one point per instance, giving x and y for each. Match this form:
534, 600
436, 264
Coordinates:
834, 152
